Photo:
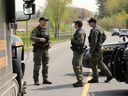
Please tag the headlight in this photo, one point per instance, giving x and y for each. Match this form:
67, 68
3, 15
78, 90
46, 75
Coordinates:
19, 43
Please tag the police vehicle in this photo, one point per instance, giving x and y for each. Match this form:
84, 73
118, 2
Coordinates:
115, 56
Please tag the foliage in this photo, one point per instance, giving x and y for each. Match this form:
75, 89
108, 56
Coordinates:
115, 6
114, 21
75, 13
55, 11
61, 15
111, 7
113, 13
102, 8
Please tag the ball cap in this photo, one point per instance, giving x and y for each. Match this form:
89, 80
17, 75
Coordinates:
91, 20
78, 22
43, 18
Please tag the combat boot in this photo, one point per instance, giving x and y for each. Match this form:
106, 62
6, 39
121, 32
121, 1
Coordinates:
36, 83
93, 81
108, 79
47, 82
78, 84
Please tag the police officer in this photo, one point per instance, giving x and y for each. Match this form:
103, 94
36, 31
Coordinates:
40, 37
77, 43
96, 55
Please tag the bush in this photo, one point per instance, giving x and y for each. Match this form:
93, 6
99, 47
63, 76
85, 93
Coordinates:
119, 20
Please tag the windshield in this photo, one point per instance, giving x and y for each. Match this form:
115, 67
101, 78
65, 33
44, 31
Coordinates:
124, 30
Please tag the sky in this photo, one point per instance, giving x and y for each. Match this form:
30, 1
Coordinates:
87, 4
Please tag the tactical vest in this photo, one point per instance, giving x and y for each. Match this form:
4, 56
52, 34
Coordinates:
42, 33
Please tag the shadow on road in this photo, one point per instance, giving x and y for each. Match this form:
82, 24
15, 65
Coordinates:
84, 74
65, 86
110, 93
72, 74
30, 85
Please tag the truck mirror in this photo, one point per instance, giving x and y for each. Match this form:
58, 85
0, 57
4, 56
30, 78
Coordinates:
29, 8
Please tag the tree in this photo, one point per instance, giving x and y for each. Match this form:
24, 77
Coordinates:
115, 6
103, 12
111, 7
54, 11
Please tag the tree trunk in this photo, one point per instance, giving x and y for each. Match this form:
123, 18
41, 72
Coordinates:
57, 27
55, 32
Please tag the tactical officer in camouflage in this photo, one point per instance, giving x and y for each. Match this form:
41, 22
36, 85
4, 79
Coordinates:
96, 55
40, 37
77, 43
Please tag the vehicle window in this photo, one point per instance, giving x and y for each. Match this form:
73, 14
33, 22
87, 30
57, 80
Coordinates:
124, 30
115, 30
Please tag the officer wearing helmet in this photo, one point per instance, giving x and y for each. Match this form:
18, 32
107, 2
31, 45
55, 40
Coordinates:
77, 43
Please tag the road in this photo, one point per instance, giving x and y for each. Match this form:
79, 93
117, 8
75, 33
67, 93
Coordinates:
62, 76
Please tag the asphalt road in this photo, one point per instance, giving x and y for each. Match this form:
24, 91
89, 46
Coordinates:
62, 76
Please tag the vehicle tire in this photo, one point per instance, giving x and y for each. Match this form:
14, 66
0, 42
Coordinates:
17, 69
118, 66
112, 60
112, 34
23, 69
126, 74
118, 34
125, 65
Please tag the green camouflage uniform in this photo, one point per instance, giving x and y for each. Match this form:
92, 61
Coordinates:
40, 51
78, 40
96, 59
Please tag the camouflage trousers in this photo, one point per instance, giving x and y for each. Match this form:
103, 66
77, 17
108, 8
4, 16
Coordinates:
77, 65
41, 56
97, 61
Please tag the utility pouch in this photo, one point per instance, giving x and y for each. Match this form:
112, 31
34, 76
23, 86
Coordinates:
73, 48
78, 49
35, 47
46, 45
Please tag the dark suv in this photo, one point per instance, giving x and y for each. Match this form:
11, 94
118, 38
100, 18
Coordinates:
107, 52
